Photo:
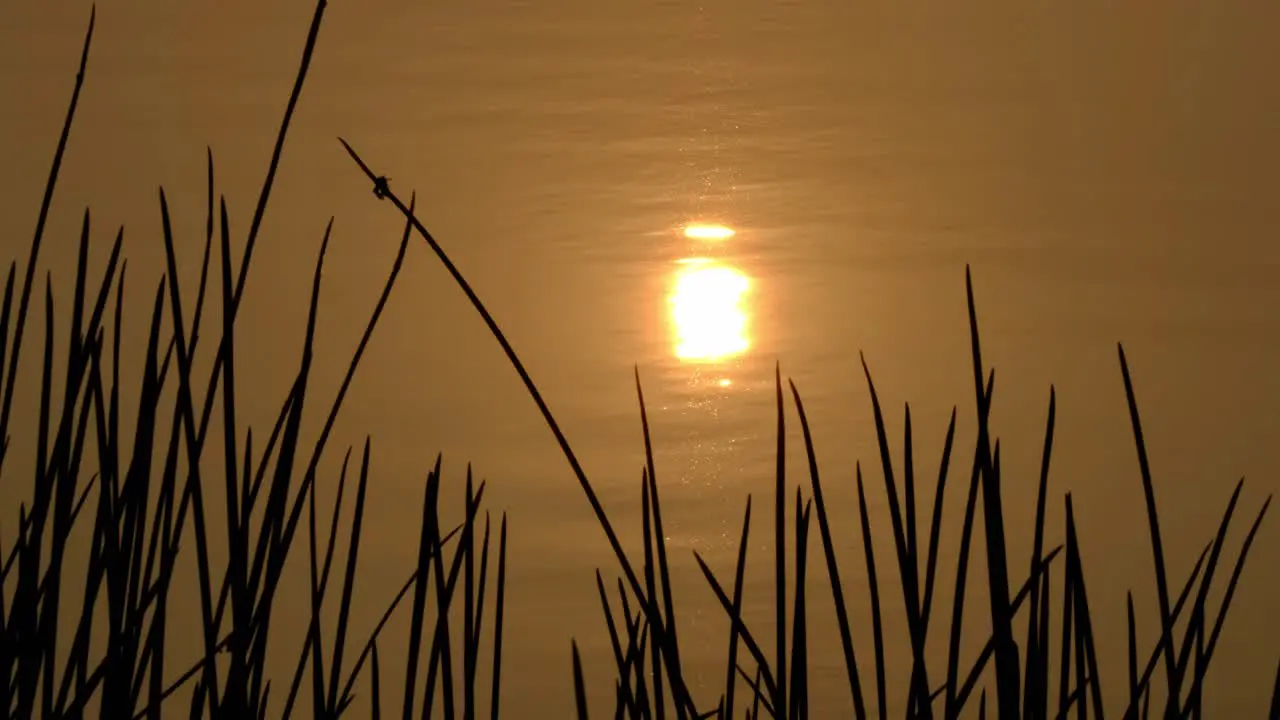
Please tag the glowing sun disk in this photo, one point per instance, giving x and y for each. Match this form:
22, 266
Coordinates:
707, 312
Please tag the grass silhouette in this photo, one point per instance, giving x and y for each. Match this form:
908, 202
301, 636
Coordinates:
136, 509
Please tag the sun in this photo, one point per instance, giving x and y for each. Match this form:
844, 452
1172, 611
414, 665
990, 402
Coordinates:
708, 311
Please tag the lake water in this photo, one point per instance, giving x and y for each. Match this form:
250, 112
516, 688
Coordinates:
1107, 169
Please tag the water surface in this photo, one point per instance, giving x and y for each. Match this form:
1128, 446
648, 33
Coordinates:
1107, 169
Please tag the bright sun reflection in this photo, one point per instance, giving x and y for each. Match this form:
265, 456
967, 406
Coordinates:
708, 232
708, 312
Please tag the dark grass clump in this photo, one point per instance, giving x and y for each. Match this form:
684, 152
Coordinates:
135, 498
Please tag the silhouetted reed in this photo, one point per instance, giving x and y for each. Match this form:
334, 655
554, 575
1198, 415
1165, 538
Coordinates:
135, 508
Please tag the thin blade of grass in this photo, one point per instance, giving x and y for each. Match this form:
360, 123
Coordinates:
480, 601
833, 571
909, 492
579, 689
375, 696
420, 589
1008, 676
468, 606
313, 33
1068, 620
498, 614
198, 313
873, 587
658, 703
759, 697
1274, 714
1034, 694
1084, 620
951, 708
780, 553
1153, 521
669, 638
799, 635
1134, 691
735, 618
5, 316
935, 525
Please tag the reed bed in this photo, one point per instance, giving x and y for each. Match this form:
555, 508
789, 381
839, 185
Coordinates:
137, 495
